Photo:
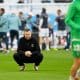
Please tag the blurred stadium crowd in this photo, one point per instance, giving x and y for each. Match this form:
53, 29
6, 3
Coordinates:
34, 1
49, 30
27, 1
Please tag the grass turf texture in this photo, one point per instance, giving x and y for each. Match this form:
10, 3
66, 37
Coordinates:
55, 66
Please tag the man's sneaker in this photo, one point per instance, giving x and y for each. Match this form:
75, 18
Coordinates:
36, 68
22, 68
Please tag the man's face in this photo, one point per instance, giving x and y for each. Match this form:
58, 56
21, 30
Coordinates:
27, 35
59, 13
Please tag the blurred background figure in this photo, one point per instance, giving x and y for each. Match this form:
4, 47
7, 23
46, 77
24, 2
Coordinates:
46, 1
21, 1
44, 30
14, 23
28, 1
1, 1
23, 21
61, 27
3, 30
50, 35
60, 19
36, 27
55, 34
68, 41
29, 22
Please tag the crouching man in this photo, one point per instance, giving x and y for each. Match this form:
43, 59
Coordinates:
28, 51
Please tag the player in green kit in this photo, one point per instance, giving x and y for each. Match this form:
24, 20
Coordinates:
73, 21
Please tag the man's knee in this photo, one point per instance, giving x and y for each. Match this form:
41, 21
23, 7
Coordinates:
15, 56
40, 57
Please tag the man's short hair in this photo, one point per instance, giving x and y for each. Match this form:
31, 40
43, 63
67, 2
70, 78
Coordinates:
38, 16
2, 9
26, 30
43, 10
59, 10
21, 13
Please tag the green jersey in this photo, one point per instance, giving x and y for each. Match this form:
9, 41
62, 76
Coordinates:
73, 21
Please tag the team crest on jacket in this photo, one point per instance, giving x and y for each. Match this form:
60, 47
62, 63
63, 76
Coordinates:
32, 45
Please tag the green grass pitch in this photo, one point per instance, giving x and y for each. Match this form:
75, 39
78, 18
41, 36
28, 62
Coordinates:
55, 66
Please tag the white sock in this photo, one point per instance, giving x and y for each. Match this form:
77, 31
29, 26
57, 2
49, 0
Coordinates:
78, 73
41, 46
71, 78
47, 47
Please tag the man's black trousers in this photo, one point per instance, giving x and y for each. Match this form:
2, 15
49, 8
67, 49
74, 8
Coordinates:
21, 59
13, 34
